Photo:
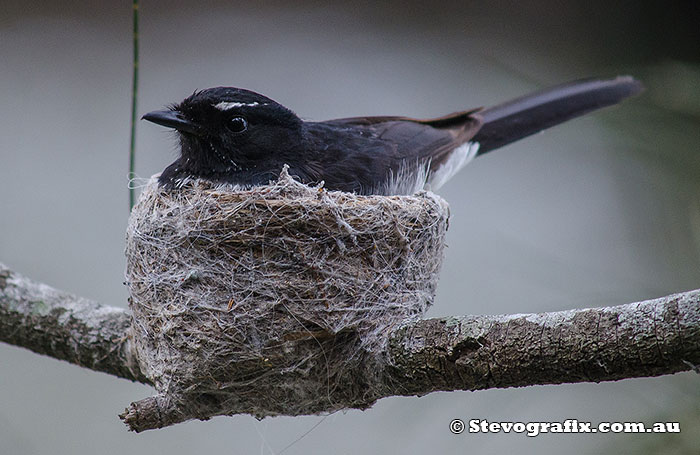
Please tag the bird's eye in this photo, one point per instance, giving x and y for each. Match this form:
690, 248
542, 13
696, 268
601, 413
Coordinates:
237, 125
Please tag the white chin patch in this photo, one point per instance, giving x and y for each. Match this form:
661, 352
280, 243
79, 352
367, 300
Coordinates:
459, 157
226, 105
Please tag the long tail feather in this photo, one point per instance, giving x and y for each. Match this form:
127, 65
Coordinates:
533, 113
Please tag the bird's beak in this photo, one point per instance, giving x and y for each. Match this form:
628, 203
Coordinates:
173, 119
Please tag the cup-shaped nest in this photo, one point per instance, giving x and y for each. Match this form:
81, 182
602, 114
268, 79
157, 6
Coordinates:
275, 299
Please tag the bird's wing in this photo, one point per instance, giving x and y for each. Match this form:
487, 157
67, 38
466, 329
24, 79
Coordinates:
439, 147
420, 138
456, 118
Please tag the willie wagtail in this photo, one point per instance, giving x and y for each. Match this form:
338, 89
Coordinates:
237, 136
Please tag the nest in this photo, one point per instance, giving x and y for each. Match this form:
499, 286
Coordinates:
276, 299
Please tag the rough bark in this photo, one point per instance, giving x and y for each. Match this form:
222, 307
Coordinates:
643, 339
649, 338
54, 323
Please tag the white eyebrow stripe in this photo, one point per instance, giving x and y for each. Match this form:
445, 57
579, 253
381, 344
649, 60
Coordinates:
226, 105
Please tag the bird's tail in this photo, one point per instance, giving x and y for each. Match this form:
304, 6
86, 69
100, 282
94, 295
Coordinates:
533, 113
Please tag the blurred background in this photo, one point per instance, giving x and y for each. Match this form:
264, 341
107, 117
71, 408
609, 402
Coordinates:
603, 210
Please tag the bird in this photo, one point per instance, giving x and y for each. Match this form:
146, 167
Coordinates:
236, 136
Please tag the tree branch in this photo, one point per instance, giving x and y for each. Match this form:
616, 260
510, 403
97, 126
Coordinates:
643, 339
54, 323
649, 338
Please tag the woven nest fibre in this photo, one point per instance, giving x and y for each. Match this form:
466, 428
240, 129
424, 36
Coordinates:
274, 300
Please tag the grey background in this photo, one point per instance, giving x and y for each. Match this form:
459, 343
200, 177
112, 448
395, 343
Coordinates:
603, 210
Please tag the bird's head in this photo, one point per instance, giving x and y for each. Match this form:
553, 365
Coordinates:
227, 133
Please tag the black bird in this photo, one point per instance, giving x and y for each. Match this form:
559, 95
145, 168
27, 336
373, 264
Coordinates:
237, 136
